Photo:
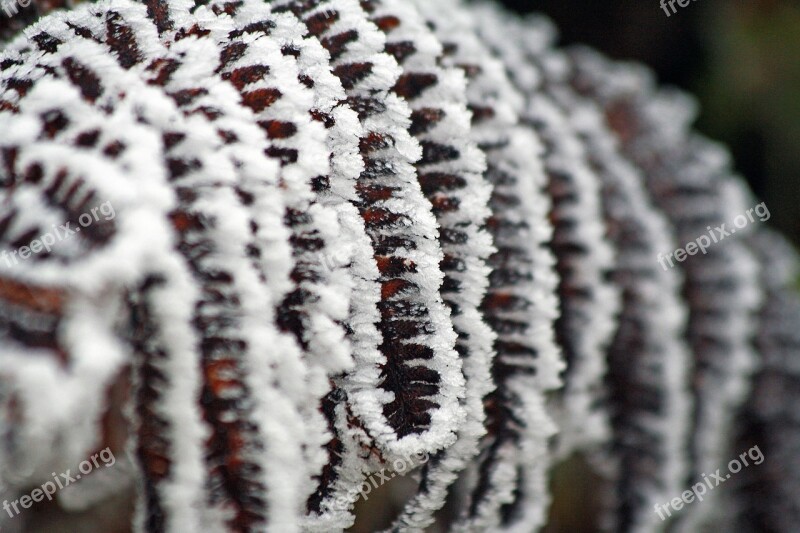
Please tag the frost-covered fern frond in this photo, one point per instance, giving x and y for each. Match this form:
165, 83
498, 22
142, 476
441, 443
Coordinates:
286, 259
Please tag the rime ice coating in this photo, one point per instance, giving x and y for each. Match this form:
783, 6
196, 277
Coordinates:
647, 355
520, 304
349, 233
770, 421
589, 303
418, 337
685, 175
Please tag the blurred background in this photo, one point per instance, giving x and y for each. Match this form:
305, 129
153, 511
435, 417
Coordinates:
741, 59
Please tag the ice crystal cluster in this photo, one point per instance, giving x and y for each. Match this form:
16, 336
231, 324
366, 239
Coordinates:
349, 235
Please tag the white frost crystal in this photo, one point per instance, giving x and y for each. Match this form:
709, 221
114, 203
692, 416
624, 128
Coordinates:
329, 238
